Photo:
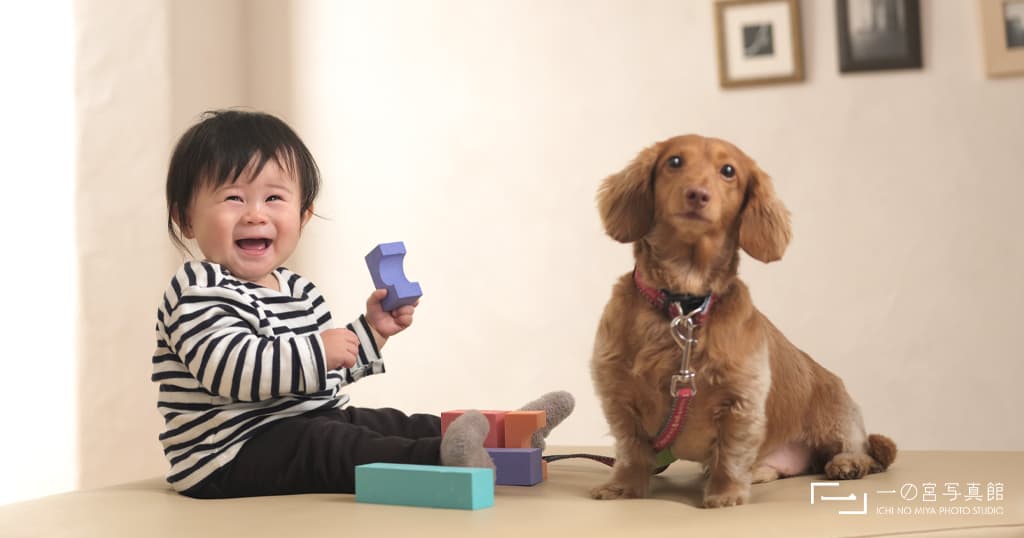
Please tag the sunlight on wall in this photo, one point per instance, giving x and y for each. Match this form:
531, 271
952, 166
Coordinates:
38, 455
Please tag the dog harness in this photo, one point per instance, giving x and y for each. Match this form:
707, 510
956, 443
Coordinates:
675, 304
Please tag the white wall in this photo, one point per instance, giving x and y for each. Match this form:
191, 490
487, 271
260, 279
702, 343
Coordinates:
38, 324
477, 132
123, 110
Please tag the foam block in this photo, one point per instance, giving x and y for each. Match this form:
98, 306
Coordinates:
495, 437
517, 466
467, 488
385, 265
520, 426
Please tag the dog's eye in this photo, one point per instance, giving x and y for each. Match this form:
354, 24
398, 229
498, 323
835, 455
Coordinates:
675, 161
728, 171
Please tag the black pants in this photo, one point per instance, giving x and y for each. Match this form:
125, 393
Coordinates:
318, 452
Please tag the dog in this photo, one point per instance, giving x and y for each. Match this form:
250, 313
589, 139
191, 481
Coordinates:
760, 409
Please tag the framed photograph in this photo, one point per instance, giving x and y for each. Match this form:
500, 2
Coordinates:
878, 34
758, 42
1002, 29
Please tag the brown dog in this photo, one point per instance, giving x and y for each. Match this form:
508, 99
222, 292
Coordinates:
761, 408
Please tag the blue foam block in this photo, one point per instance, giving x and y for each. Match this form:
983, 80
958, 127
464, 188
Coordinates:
468, 488
385, 265
517, 466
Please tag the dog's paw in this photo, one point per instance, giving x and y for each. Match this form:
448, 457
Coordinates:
763, 474
615, 490
734, 497
848, 466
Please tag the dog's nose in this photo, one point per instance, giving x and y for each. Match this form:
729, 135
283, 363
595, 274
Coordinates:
698, 197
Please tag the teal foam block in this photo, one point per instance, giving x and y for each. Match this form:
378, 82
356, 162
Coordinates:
468, 488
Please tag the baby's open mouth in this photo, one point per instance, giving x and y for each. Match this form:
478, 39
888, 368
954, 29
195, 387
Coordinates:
254, 244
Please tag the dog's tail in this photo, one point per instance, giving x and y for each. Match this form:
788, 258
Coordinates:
882, 450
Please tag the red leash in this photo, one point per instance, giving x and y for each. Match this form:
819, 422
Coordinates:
676, 419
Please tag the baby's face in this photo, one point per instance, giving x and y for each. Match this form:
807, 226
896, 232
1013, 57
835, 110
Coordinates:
250, 226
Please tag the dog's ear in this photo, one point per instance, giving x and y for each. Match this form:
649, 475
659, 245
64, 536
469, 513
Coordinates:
764, 223
626, 199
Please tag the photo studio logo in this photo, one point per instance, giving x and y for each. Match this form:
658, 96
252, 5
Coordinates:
914, 499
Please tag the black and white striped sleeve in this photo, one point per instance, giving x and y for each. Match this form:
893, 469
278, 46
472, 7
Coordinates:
213, 333
368, 362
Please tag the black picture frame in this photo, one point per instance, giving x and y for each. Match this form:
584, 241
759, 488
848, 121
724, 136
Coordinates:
878, 35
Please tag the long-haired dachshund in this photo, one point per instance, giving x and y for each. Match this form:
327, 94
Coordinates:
760, 408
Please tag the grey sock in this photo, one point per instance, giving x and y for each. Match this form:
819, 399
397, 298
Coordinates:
463, 442
556, 406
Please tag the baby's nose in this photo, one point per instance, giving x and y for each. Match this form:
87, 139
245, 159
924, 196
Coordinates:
255, 215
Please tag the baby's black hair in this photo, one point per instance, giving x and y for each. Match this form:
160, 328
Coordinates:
221, 146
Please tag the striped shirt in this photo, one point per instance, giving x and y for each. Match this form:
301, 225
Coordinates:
232, 356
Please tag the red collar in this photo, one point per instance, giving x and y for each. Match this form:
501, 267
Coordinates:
669, 303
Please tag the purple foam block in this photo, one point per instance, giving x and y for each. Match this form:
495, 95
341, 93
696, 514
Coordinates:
517, 466
385, 265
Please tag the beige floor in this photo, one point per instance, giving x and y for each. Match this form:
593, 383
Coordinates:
560, 506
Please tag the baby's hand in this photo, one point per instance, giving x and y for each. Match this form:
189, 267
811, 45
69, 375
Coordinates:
341, 347
388, 323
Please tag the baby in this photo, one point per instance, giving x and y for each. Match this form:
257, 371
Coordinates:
249, 363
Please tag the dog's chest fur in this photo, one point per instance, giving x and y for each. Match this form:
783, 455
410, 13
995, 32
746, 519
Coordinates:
636, 358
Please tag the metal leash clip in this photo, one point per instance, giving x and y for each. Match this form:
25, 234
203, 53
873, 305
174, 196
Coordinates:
682, 328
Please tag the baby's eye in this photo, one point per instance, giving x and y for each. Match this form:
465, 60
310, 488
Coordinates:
274, 198
233, 198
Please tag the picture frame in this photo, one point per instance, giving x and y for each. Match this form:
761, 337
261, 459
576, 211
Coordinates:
878, 35
1002, 33
759, 42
